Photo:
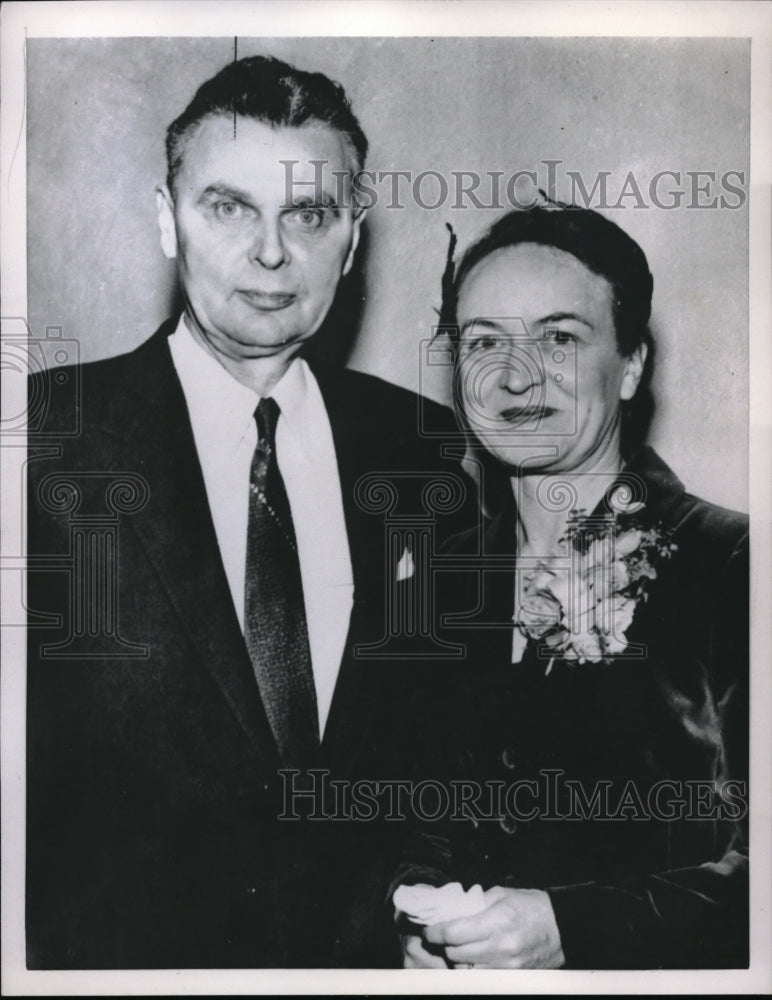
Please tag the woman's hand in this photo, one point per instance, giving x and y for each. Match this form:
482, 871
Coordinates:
415, 955
517, 930
414, 952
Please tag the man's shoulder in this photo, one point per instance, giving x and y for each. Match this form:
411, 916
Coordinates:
384, 429
389, 405
64, 400
70, 398
467, 542
364, 383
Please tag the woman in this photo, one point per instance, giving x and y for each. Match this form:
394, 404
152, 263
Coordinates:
601, 710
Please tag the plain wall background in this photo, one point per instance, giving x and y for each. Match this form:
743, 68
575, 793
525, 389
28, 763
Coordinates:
97, 111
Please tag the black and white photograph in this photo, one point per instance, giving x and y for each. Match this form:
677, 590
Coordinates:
386, 480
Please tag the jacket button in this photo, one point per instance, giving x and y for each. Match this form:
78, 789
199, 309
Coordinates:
508, 758
508, 824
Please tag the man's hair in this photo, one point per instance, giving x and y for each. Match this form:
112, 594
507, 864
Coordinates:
598, 243
270, 91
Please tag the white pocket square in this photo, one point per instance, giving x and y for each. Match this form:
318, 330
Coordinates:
405, 566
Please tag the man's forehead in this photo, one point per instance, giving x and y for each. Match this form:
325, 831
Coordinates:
314, 146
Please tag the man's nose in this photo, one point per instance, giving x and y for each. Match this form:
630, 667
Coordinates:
521, 370
268, 247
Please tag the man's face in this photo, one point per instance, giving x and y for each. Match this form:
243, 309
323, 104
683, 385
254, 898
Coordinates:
541, 377
259, 257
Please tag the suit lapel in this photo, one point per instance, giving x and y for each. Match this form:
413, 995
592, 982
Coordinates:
356, 691
356, 454
176, 530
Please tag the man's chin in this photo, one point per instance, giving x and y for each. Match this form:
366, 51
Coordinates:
248, 346
270, 347
266, 338
244, 341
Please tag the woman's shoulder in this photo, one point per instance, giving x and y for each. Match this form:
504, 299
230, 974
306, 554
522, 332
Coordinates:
692, 520
702, 586
708, 527
707, 516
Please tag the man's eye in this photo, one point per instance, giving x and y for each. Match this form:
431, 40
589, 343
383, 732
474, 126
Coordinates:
228, 210
308, 218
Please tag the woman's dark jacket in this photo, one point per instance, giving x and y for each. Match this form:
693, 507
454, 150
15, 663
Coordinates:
630, 776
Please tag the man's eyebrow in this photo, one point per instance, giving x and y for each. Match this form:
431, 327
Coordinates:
221, 190
483, 321
557, 317
310, 201
226, 191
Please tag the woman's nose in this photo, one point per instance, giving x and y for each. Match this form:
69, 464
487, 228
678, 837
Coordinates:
522, 369
268, 247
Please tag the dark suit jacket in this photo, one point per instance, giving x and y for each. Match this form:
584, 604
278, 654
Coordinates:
633, 883
153, 793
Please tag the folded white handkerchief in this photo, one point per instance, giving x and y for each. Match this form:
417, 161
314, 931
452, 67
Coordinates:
427, 904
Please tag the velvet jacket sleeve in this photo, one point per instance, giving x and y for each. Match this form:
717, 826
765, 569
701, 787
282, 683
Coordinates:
695, 915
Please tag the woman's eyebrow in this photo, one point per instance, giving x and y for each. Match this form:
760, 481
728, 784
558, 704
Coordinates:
486, 322
557, 317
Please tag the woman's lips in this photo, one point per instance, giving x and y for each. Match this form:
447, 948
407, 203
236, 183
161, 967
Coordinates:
268, 301
525, 414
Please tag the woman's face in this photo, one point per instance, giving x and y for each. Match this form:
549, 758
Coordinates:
539, 374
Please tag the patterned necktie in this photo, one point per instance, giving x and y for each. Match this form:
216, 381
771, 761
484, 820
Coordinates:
274, 612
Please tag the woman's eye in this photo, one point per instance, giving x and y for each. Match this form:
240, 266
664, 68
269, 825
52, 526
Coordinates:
559, 336
484, 343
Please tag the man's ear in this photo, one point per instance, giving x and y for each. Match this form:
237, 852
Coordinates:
634, 366
355, 233
165, 203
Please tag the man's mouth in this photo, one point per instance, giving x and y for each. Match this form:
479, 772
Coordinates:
268, 301
525, 414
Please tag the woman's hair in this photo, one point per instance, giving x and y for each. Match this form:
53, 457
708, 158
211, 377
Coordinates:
604, 249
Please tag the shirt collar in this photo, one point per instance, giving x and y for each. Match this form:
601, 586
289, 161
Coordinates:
291, 393
228, 404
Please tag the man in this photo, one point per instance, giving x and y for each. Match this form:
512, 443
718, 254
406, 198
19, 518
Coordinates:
222, 574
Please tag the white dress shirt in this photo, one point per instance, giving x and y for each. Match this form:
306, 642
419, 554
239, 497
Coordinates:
222, 415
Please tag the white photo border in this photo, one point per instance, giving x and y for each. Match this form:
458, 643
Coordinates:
583, 18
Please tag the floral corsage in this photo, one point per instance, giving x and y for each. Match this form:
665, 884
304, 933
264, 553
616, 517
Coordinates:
581, 607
